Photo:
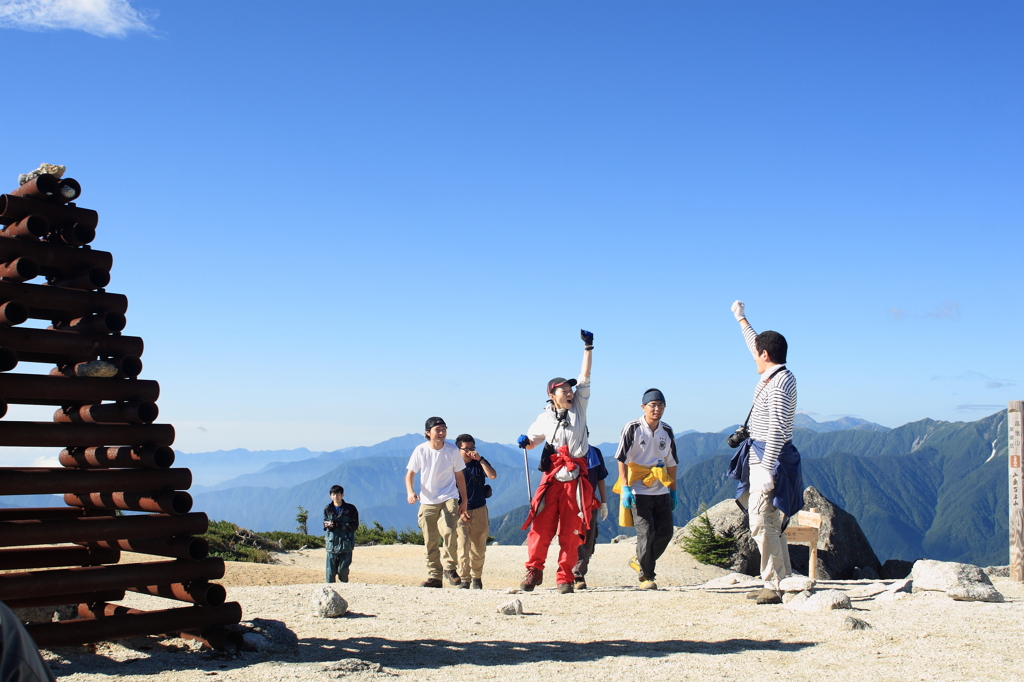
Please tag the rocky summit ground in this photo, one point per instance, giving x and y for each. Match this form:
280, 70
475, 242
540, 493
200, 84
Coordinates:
395, 630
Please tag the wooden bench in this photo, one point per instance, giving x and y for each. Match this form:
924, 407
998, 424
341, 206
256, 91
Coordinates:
804, 529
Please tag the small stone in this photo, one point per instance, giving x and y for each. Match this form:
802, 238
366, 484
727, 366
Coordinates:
865, 573
852, 623
95, 368
617, 539
327, 603
905, 586
513, 607
826, 600
730, 580
975, 592
797, 584
256, 641
56, 171
862, 591
766, 596
513, 590
353, 665
998, 571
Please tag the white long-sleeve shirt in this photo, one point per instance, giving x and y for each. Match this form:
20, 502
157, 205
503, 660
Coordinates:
771, 420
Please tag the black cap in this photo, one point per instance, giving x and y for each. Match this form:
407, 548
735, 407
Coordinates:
559, 381
435, 421
651, 395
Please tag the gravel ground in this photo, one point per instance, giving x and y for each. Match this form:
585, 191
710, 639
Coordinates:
680, 632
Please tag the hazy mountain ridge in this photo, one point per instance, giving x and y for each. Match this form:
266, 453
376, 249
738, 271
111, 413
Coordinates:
923, 489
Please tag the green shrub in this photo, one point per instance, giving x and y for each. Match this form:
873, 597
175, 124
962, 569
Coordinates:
707, 546
379, 535
232, 543
290, 541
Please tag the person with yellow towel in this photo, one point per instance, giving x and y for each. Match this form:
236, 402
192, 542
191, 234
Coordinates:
647, 484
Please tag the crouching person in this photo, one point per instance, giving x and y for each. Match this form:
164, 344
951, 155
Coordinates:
473, 533
340, 522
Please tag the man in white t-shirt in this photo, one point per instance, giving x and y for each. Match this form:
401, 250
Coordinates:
442, 486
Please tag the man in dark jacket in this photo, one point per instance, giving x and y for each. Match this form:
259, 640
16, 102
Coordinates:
340, 522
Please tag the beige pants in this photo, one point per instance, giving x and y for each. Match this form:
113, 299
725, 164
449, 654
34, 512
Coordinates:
473, 543
437, 521
766, 529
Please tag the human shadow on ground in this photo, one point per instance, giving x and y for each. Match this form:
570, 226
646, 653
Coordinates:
434, 653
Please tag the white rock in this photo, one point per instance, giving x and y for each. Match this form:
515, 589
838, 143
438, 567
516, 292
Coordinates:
729, 580
795, 599
975, 592
327, 603
513, 607
892, 596
868, 590
904, 586
942, 575
826, 600
796, 584
256, 641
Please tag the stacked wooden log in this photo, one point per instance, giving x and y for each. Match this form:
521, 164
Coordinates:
114, 457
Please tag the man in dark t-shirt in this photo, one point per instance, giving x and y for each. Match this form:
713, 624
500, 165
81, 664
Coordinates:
597, 472
472, 534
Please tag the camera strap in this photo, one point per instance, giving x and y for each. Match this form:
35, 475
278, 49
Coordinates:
758, 394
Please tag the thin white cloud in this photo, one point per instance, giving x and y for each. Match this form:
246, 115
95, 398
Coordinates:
104, 18
980, 408
978, 377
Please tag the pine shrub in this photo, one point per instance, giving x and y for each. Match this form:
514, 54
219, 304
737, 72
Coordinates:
707, 546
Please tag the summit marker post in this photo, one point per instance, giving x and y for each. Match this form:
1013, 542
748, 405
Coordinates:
1015, 457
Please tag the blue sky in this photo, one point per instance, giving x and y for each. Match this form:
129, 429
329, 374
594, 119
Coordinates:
333, 220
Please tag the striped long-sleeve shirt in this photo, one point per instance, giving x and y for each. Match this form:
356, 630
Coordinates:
771, 420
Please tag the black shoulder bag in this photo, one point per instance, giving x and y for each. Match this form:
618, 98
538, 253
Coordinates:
741, 434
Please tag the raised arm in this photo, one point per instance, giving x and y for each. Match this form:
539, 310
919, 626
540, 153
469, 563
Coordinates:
749, 335
588, 352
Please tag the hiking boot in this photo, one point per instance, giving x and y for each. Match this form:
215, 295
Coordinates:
648, 584
477, 584
634, 564
565, 588
432, 582
464, 585
767, 596
580, 584
453, 577
532, 578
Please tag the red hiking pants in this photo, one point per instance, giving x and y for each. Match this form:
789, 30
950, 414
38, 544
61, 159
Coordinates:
559, 514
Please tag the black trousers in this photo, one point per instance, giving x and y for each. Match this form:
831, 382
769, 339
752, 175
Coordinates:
586, 550
653, 522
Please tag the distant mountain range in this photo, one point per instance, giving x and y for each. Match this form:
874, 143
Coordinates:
926, 489
804, 421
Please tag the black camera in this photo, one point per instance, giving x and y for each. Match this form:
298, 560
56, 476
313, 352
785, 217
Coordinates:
738, 436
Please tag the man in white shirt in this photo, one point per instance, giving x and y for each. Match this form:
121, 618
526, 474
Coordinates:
442, 486
564, 499
647, 466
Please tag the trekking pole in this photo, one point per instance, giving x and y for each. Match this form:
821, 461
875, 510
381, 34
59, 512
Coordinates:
526, 465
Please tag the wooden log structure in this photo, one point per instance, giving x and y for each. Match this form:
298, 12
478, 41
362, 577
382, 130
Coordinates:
112, 456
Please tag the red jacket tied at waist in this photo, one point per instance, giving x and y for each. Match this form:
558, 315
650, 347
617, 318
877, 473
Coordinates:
580, 490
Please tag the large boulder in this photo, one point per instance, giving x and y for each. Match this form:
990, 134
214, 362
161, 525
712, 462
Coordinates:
842, 546
944, 575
